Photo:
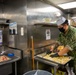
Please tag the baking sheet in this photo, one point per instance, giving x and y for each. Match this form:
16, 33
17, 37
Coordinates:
59, 60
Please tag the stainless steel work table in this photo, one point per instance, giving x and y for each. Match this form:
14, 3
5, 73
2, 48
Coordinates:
12, 59
46, 59
15, 58
46, 62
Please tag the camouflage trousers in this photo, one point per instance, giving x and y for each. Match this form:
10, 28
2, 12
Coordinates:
72, 63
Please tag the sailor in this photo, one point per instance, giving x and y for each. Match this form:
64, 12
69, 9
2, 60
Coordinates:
67, 38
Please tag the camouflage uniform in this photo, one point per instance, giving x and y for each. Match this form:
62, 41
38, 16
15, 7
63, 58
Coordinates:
69, 40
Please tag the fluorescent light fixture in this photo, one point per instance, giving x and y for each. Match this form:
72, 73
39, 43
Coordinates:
68, 5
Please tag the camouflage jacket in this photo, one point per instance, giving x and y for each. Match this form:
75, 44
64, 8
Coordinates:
69, 39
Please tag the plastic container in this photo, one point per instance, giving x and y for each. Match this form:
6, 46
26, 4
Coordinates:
10, 54
37, 72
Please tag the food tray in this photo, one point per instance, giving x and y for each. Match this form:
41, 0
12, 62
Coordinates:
4, 58
59, 60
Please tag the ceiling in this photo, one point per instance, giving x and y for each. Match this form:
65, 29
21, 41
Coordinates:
57, 2
54, 3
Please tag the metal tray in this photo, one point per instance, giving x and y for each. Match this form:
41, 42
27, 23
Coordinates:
58, 60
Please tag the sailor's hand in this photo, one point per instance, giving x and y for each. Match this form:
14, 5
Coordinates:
48, 51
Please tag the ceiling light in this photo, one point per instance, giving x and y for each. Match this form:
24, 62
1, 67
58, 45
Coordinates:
68, 5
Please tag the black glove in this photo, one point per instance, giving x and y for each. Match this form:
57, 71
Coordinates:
54, 55
48, 51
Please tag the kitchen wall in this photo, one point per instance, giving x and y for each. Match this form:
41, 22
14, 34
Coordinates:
15, 10
27, 13
41, 14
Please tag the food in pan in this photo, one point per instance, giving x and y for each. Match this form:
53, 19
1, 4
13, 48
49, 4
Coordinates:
4, 58
41, 55
60, 48
60, 60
